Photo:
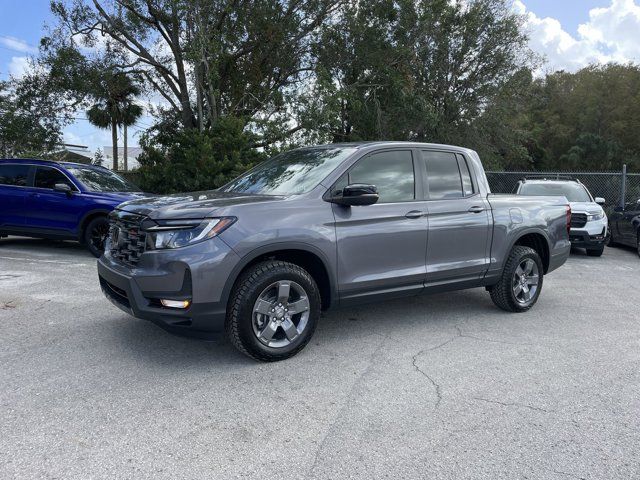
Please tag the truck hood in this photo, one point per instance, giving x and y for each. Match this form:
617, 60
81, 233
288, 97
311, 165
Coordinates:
191, 205
586, 207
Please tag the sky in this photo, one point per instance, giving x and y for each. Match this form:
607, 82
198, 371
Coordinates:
568, 34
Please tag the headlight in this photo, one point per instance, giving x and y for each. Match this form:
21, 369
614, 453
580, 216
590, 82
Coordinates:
592, 217
180, 233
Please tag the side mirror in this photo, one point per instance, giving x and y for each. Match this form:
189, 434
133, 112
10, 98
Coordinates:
62, 188
356, 194
600, 201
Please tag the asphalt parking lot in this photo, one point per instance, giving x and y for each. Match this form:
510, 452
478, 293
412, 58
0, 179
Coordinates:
435, 387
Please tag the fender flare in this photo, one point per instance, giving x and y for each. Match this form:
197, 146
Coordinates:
274, 248
521, 233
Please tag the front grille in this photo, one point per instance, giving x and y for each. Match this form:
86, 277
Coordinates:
127, 240
578, 220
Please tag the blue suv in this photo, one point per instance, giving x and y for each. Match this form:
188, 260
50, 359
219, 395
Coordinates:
60, 200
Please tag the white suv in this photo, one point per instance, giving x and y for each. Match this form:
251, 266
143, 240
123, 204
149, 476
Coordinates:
588, 220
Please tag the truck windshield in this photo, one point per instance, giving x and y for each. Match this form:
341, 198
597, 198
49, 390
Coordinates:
98, 180
290, 173
574, 192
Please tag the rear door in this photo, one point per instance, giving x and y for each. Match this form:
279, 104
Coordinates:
381, 248
50, 211
460, 222
13, 194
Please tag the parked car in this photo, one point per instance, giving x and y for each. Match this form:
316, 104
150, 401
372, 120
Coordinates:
624, 226
323, 226
588, 218
60, 200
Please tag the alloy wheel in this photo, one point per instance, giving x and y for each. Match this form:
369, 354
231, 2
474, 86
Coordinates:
280, 314
525, 281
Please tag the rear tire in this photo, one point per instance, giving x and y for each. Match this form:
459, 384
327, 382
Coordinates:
521, 282
638, 243
95, 235
260, 320
595, 252
610, 242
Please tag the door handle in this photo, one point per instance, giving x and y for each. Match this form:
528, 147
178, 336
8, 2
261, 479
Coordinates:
476, 209
414, 214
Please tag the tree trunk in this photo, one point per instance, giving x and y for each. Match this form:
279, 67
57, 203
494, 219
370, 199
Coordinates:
125, 157
114, 140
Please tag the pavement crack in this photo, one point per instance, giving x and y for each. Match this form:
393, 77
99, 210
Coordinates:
436, 385
571, 475
8, 305
464, 335
513, 404
346, 404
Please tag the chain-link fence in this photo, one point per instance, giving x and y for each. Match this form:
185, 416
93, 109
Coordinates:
608, 185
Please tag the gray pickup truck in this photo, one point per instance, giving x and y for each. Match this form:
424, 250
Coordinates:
324, 226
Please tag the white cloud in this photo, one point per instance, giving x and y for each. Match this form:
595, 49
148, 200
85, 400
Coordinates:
611, 34
16, 44
18, 66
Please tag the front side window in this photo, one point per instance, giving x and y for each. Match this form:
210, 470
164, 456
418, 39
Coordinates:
101, 180
290, 173
391, 172
14, 175
443, 175
48, 178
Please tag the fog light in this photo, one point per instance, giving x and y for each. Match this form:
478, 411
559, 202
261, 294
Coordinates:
175, 303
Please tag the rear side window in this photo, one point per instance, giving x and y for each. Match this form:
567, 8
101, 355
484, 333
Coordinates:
465, 173
14, 175
48, 178
391, 172
443, 175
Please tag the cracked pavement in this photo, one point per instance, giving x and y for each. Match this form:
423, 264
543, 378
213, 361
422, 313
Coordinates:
439, 387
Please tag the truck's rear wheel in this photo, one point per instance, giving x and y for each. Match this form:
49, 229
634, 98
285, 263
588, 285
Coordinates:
273, 311
521, 282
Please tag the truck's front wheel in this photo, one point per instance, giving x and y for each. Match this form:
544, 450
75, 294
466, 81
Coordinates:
273, 311
521, 281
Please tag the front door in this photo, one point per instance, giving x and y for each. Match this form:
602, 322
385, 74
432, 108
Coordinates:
50, 211
460, 222
382, 247
630, 223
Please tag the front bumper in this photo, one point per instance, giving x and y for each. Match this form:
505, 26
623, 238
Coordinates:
584, 239
197, 273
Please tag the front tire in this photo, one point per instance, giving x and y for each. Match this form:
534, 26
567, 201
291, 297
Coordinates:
95, 235
273, 311
521, 282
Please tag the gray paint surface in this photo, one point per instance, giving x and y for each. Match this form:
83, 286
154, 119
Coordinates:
438, 387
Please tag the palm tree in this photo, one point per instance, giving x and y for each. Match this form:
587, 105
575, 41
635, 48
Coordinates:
114, 107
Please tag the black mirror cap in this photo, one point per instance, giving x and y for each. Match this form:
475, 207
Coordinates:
357, 195
63, 188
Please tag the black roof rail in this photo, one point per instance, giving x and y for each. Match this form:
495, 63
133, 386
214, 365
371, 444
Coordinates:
31, 160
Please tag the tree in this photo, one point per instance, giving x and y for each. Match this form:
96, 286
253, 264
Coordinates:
207, 59
30, 120
416, 70
114, 106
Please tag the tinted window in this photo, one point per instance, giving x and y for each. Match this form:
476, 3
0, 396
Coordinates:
443, 175
391, 172
290, 173
467, 183
14, 175
98, 180
572, 191
48, 177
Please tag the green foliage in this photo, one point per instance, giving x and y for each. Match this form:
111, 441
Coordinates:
189, 160
586, 120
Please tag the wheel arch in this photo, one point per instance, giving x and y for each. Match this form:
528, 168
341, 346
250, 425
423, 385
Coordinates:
304, 255
539, 241
90, 215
